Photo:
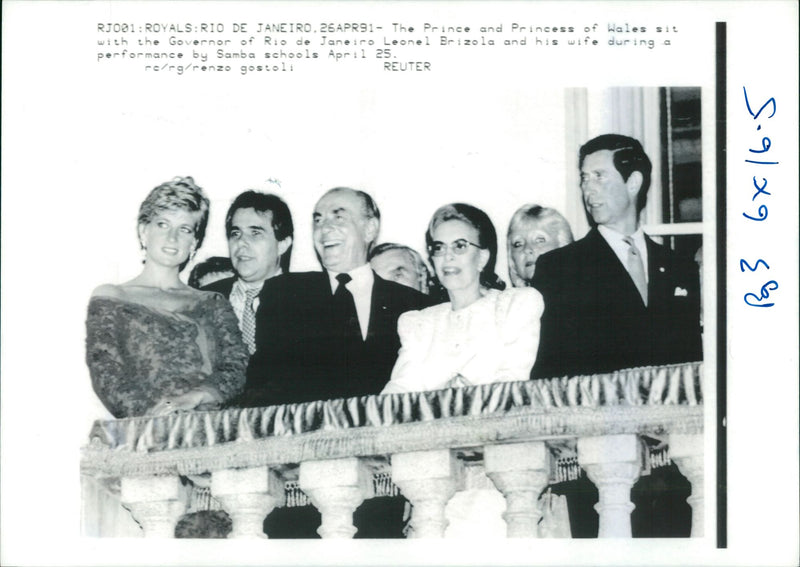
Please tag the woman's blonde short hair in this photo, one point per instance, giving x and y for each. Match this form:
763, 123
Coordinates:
548, 219
180, 194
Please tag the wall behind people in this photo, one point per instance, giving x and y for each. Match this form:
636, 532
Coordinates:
412, 151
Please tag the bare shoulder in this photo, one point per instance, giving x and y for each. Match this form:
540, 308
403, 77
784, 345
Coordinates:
111, 291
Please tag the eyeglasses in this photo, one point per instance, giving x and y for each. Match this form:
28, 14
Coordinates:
458, 247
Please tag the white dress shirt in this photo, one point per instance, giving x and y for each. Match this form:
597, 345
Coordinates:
361, 289
620, 247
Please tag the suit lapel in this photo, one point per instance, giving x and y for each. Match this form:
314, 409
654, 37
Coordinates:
378, 307
318, 300
322, 287
612, 276
659, 275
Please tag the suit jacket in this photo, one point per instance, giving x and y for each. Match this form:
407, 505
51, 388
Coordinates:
595, 320
301, 352
223, 286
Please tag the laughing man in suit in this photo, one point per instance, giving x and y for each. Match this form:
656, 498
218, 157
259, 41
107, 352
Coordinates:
615, 299
330, 334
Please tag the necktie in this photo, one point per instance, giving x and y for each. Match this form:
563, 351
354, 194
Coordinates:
249, 320
346, 307
636, 268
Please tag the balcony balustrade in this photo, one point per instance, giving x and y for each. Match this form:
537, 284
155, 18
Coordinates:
515, 437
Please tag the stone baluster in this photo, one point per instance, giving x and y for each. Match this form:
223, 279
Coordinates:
687, 452
519, 471
336, 487
248, 496
156, 502
428, 479
613, 464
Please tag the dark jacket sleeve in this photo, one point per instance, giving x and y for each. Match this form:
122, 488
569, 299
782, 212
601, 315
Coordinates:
546, 279
223, 286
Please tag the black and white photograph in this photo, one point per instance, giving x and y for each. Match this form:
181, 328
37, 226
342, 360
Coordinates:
402, 283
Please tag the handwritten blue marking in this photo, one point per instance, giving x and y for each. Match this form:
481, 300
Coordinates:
762, 214
766, 144
757, 299
760, 190
760, 110
771, 285
743, 264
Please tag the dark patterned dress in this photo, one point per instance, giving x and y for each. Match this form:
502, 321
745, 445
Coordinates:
138, 354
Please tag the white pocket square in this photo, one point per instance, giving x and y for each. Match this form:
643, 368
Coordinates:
680, 292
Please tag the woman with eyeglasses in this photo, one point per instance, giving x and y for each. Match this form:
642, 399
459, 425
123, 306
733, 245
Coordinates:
484, 334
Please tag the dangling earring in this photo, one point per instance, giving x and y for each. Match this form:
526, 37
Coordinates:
192, 255
144, 253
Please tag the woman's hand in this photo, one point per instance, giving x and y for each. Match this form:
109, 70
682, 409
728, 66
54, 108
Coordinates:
199, 398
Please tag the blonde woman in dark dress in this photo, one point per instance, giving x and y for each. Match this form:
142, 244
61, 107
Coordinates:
153, 344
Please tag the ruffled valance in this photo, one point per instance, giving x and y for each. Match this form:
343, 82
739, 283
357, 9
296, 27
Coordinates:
533, 405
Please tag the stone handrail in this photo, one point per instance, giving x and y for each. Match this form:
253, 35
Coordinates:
334, 448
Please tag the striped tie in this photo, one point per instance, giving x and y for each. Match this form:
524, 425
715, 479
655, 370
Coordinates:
249, 320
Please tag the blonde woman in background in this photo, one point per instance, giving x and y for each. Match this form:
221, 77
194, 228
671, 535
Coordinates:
533, 230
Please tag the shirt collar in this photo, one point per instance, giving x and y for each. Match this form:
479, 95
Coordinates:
620, 247
614, 238
242, 286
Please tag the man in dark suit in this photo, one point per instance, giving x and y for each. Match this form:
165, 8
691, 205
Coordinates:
615, 299
330, 334
260, 232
